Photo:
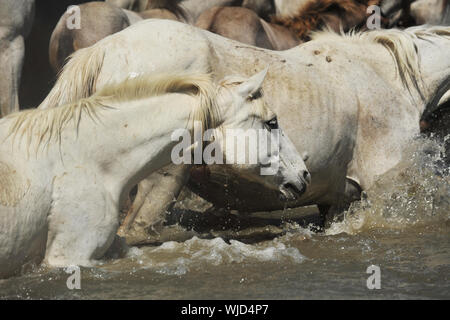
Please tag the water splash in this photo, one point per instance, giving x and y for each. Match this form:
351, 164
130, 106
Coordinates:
416, 192
176, 258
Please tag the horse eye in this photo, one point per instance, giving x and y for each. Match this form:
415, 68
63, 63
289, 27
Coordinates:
272, 124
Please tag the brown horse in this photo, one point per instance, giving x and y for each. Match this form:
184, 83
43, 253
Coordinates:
287, 30
101, 19
245, 26
317, 14
184, 10
263, 8
98, 20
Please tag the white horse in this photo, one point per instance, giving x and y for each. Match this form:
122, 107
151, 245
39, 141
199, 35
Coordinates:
65, 171
16, 18
349, 103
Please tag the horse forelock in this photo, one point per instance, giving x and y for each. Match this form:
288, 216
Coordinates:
45, 126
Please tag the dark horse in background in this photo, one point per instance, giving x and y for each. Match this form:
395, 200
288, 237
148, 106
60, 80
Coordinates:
37, 75
16, 18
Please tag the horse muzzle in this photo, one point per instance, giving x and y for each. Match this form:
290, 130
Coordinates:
293, 190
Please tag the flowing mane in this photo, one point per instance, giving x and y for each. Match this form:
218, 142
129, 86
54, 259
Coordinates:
78, 78
400, 45
46, 125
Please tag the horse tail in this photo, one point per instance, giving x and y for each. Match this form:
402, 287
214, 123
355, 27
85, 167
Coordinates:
77, 79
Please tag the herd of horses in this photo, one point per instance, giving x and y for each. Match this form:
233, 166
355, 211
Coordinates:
346, 100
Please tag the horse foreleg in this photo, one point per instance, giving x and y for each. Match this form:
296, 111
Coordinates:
156, 195
11, 61
331, 213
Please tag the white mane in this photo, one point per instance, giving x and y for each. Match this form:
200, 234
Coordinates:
400, 45
46, 125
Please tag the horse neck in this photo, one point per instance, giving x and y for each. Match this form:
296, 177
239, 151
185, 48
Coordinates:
134, 139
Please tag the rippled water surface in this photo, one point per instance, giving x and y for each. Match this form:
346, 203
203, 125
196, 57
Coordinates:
403, 226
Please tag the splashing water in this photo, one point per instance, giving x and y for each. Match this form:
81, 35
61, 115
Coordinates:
402, 226
178, 258
415, 192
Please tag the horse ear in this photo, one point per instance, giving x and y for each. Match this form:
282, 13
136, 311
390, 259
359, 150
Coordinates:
252, 85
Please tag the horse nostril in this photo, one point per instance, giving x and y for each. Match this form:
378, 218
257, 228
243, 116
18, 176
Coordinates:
294, 188
307, 176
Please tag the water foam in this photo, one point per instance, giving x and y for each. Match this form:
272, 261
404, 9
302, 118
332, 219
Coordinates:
178, 258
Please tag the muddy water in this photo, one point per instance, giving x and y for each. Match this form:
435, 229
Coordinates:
402, 226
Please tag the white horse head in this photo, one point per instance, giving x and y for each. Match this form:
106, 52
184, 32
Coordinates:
248, 136
253, 128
